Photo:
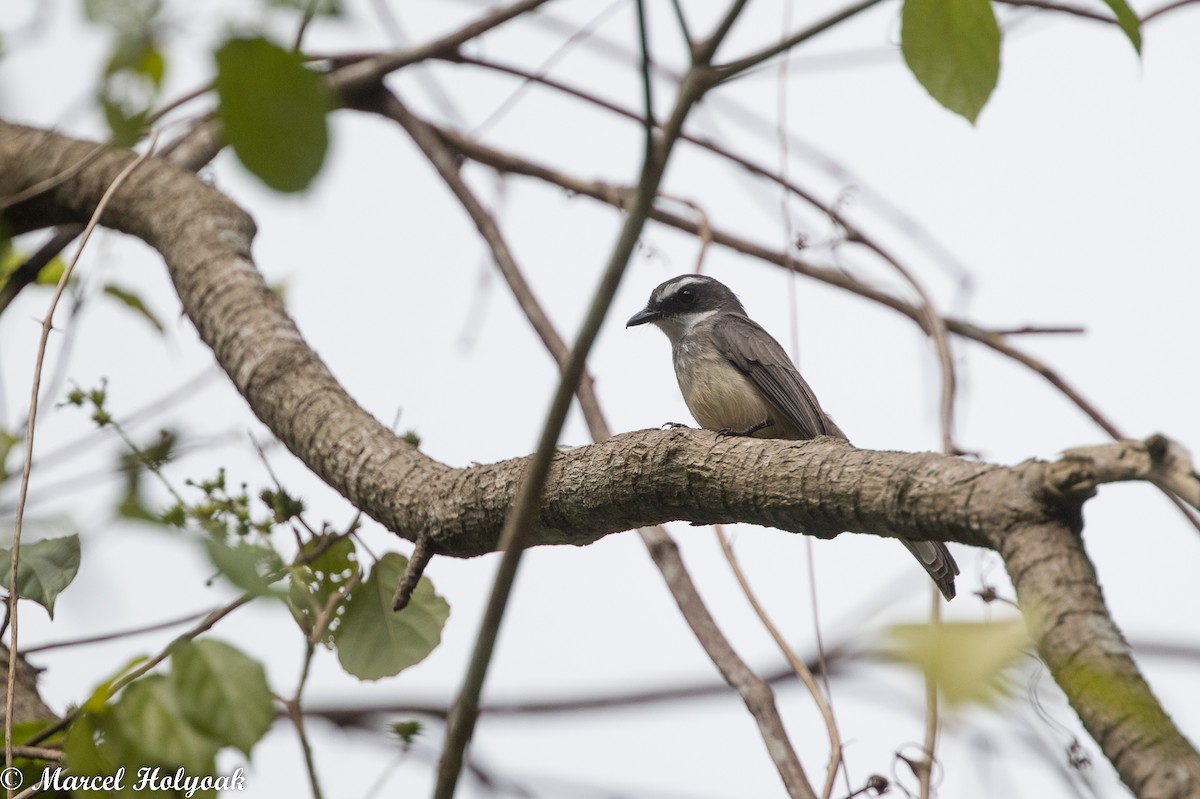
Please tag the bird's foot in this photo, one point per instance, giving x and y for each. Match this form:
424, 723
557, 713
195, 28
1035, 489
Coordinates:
725, 432
673, 426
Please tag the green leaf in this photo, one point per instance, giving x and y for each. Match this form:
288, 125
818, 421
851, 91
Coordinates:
1128, 21
249, 566
273, 110
965, 659
134, 302
46, 567
311, 586
149, 715
374, 641
224, 693
953, 49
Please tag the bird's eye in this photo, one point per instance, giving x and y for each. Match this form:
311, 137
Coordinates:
687, 297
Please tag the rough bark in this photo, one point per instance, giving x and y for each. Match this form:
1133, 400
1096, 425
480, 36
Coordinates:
1029, 513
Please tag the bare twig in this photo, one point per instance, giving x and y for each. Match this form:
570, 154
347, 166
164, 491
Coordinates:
798, 665
296, 714
1158, 12
422, 552
23, 491
310, 11
735, 68
925, 773
118, 634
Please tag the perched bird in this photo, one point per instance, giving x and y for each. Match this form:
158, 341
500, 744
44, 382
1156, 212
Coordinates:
737, 379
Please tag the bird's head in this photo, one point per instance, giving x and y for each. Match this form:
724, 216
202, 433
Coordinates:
681, 303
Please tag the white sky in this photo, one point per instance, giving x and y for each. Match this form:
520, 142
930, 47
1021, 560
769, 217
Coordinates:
1073, 201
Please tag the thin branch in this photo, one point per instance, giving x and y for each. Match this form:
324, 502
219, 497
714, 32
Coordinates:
683, 25
1026, 330
1074, 11
310, 11
798, 666
23, 491
297, 716
366, 72
1158, 12
735, 68
704, 51
116, 635
925, 774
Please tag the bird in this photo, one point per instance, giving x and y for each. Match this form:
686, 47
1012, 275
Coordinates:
737, 380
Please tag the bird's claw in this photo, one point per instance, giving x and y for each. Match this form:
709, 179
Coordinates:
726, 432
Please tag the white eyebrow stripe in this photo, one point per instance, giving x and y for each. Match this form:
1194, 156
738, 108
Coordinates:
678, 283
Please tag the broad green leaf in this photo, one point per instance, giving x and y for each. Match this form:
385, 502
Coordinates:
311, 586
149, 715
1128, 21
134, 302
46, 567
965, 659
953, 49
374, 641
273, 110
224, 693
249, 566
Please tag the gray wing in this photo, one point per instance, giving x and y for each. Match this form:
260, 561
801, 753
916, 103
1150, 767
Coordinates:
758, 356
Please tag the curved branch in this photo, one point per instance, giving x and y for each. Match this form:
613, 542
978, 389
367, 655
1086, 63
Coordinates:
1029, 513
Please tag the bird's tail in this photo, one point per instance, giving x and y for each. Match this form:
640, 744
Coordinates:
938, 561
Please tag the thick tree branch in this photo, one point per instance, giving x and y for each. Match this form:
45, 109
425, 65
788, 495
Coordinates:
1029, 513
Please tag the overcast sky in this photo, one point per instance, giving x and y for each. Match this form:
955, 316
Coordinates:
1073, 201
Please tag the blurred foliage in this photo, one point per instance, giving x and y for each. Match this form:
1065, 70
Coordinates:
966, 660
214, 697
273, 109
134, 302
44, 569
